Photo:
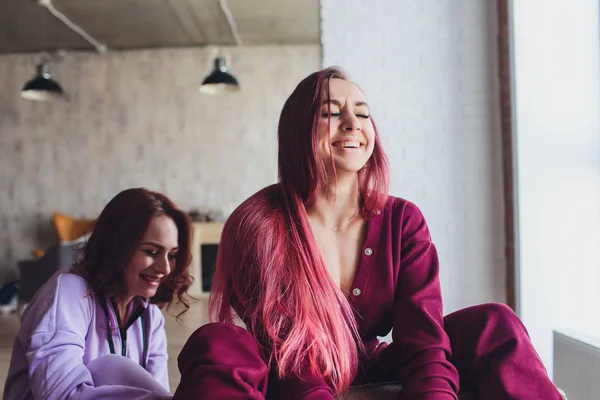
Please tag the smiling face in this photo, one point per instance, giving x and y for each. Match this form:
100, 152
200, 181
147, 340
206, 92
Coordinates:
345, 131
154, 258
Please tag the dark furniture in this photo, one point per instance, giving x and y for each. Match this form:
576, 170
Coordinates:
34, 273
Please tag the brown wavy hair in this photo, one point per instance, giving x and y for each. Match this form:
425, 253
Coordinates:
118, 232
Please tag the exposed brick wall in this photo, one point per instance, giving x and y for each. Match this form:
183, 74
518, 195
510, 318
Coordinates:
430, 72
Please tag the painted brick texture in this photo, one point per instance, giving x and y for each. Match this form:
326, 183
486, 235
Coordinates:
429, 69
136, 119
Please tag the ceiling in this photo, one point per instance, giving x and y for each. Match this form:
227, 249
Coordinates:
133, 24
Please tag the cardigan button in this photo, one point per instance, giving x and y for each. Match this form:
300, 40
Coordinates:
356, 292
377, 212
368, 251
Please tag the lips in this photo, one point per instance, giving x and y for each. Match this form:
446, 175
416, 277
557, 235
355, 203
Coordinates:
347, 144
151, 279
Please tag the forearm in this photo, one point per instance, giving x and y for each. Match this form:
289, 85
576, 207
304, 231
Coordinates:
307, 386
421, 345
431, 377
422, 350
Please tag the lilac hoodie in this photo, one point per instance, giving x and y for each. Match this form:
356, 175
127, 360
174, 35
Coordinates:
64, 328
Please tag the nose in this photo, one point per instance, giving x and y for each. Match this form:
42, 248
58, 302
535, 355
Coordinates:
350, 122
163, 265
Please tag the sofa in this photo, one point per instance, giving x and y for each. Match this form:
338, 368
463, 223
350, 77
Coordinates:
34, 273
71, 234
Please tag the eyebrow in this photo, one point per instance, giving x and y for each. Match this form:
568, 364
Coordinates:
159, 246
339, 103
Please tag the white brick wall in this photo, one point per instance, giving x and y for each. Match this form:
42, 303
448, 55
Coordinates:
428, 68
136, 119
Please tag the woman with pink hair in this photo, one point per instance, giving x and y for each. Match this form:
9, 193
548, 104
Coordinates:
321, 264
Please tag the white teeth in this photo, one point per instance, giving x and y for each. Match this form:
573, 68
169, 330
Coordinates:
348, 144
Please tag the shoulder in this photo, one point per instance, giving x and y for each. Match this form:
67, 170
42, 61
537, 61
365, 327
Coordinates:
73, 287
65, 286
72, 280
408, 216
258, 211
65, 299
403, 208
269, 198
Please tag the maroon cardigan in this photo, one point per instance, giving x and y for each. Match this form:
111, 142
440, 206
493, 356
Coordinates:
396, 286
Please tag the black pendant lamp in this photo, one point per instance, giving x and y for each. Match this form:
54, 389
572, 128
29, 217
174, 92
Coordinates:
42, 87
220, 80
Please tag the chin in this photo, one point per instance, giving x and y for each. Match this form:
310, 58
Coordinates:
147, 293
349, 168
348, 164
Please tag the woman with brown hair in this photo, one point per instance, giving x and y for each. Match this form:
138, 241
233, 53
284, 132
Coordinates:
97, 331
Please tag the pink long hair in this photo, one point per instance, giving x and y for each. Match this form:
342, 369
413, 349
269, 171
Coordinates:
269, 268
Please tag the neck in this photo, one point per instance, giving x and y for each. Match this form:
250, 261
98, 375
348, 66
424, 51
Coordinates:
122, 308
336, 206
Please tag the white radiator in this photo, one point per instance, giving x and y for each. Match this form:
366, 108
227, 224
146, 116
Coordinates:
577, 366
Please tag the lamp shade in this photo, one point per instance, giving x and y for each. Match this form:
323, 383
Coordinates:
219, 80
42, 87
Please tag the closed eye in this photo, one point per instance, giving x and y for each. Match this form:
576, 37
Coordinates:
365, 116
333, 114
173, 256
151, 252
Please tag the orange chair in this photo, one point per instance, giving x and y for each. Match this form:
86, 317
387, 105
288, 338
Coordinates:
67, 229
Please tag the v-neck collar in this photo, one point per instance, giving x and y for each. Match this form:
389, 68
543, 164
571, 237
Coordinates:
136, 303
